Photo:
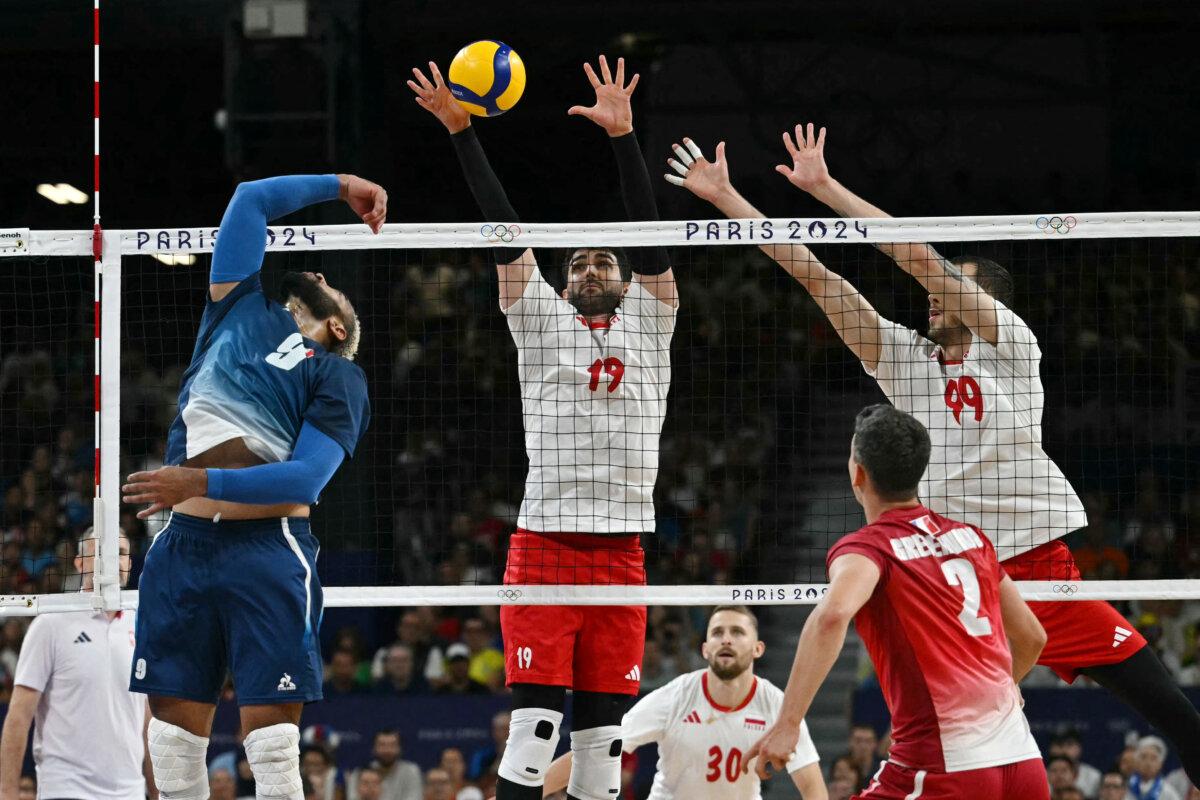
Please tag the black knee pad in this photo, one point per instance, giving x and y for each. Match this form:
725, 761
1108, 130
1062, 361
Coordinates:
533, 695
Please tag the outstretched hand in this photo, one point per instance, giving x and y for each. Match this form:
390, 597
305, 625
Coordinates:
368, 199
808, 170
164, 487
773, 750
612, 110
703, 178
435, 97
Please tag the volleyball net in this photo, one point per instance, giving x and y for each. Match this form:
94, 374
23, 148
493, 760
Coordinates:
742, 491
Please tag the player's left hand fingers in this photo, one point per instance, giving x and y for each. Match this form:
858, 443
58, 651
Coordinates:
675, 165
633, 83
581, 111
141, 497
152, 510
591, 75
684, 156
604, 70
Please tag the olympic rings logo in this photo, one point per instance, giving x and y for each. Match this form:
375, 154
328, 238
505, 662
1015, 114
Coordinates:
509, 594
1065, 588
500, 233
1063, 225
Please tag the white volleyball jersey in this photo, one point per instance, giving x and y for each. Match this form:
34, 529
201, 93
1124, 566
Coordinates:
702, 745
594, 399
87, 729
984, 416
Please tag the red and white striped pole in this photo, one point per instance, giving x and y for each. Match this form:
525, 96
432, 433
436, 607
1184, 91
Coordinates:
97, 233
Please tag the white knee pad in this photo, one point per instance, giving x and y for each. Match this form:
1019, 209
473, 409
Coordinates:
596, 763
532, 737
274, 756
178, 760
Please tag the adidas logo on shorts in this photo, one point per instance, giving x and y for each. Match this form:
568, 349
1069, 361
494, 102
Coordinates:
634, 674
285, 684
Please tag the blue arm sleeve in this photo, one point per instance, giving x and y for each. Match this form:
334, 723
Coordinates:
242, 238
314, 460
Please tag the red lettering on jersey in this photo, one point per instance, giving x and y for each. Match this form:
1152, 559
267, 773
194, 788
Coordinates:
610, 366
962, 392
733, 764
714, 764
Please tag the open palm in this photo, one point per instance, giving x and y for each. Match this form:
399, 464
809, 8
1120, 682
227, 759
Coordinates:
808, 170
435, 97
612, 110
703, 178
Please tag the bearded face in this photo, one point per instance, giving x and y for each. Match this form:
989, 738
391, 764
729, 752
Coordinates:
594, 282
310, 290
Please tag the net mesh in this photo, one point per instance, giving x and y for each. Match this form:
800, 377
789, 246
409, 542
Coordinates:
752, 485
47, 445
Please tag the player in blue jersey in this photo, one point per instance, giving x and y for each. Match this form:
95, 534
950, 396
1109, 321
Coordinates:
268, 408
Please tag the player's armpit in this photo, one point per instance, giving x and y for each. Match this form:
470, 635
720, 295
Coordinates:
1026, 637
810, 782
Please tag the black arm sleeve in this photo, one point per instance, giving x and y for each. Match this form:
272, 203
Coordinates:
485, 187
639, 200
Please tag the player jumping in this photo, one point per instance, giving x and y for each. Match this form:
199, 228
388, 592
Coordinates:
594, 365
937, 615
269, 407
706, 721
974, 381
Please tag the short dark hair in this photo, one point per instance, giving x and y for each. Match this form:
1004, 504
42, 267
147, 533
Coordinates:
743, 610
991, 277
893, 447
388, 732
618, 253
1067, 761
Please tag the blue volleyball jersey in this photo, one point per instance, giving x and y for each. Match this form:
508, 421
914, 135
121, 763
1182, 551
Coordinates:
253, 376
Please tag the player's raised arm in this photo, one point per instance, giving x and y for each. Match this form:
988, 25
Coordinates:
1025, 634
852, 580
957, 293
612, 112
242, 239
514, 266
854, 319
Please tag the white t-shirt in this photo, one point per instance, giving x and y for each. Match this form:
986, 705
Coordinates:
701, 745
984, 416
594, 400
87, 735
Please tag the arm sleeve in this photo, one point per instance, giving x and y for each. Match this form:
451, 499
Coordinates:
852, 544
485, 187
299, 480
242, 237
806, 751
647, 721
638, 196
35, 664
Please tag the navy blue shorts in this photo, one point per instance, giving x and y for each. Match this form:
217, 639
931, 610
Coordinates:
238, 597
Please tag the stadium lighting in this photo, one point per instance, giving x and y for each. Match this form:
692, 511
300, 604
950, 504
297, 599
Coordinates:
61, 193
176, 259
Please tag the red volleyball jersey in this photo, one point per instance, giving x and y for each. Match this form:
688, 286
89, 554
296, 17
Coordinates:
934, 632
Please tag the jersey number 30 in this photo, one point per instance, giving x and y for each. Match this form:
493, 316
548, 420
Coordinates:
732, 766
960, 572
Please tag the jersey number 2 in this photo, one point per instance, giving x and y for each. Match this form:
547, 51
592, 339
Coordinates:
960, 572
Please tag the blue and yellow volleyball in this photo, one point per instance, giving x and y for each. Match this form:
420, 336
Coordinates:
487, 78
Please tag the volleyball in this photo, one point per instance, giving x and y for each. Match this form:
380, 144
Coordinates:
487, 78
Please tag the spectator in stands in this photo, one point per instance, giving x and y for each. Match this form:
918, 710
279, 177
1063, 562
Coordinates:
428, 655
437, 785
456, 767
1127, 762
841, 789
400, 677
317, 764
1069, 793
221, 785
1097, 557
1087, 777
861, 748
1147, 781
458, 679
844, 768
369, 785
399, 779
655, 672
1113, 786
38, 553
1062, 773
342, 680
487, 662
486, 760
350, 639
